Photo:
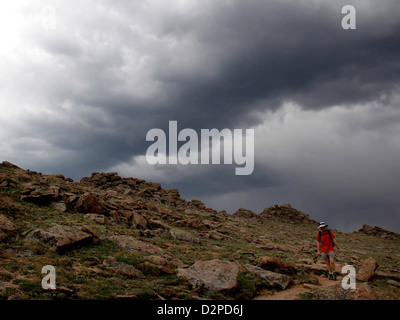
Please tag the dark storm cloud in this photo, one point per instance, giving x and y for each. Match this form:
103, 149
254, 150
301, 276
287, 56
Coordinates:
260, 54
270, 51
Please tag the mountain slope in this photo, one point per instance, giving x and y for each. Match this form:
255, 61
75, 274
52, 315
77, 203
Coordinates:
110, 237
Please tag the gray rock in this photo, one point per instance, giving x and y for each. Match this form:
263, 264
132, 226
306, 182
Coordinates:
274, 278
99, 218
317, 269
126, 269
336, 292
6, 227
138, 221
213, 275
182, 235
60, 206
130, 243
244, 213
60, 238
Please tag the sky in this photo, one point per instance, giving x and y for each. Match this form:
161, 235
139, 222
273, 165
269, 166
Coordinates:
82, 83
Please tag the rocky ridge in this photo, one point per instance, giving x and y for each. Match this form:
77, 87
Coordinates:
111, 237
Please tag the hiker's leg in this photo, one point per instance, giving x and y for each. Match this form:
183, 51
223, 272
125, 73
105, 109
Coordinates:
331, 256
332, 264
328, 264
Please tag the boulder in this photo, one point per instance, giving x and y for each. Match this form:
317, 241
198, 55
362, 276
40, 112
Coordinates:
60, 238
60, 206
132, 244
367, 270
126, 213
275, 279
336, 292
182, 235
125, 269
317, 269
99, 218
158, 225
197, 203
138, 221
244, 213
157, 260
89, 203
6, 227
213, 275
173, 193
101, 179
95, 237
364, 292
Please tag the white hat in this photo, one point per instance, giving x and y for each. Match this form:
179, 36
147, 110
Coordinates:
322, 225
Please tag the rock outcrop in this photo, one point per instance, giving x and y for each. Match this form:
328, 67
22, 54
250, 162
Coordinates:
244, 213
60, 238
213, 275
286, 212
379, 232
148, 249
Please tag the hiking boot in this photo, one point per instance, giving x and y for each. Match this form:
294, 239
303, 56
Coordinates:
334, 276
330, 276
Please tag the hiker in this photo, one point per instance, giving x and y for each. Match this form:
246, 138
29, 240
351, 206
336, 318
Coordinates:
326, 244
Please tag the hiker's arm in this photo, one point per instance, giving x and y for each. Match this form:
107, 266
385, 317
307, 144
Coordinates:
336, 244
319, 247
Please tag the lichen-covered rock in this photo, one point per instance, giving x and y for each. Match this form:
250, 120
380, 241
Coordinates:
126, 269
367, 269
213, 275
60, 238
182, 235
130, 243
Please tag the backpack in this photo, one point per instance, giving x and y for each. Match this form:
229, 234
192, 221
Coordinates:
330, 236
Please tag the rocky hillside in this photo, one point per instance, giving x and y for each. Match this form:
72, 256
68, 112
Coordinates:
110, 237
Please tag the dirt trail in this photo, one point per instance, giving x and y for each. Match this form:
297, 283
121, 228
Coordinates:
292, 293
